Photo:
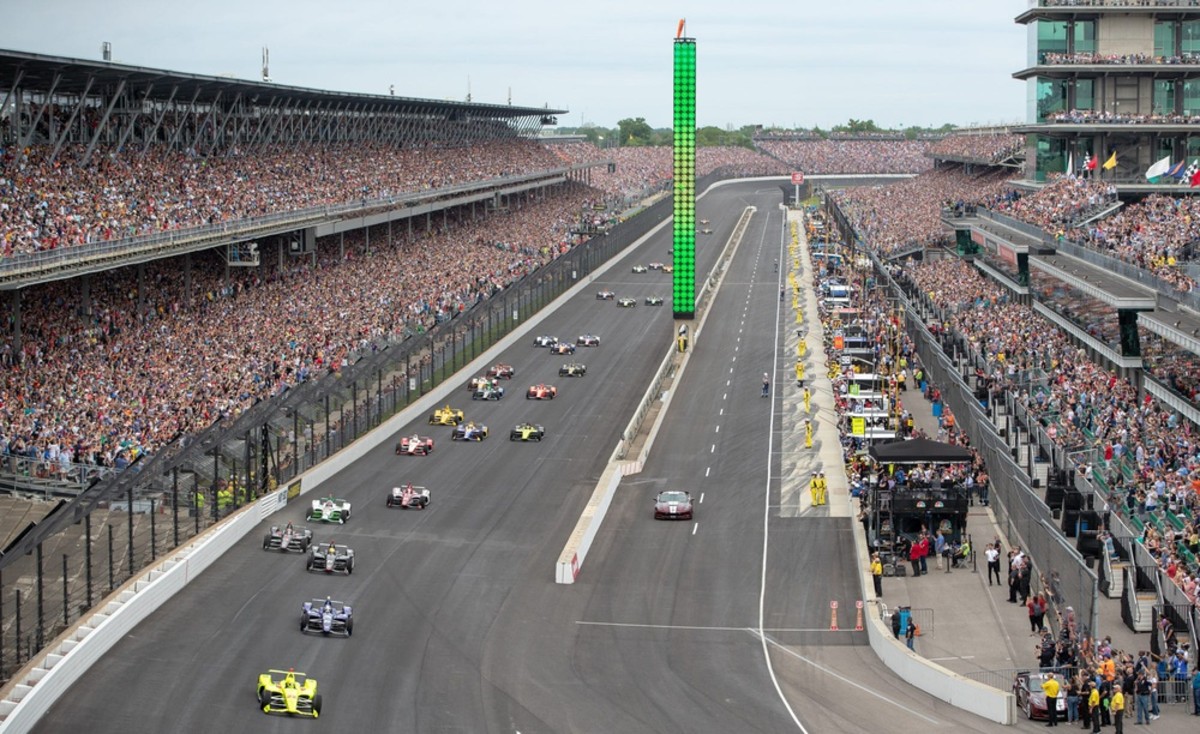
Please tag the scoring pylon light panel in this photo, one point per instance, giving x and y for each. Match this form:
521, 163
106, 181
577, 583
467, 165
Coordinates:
684, 290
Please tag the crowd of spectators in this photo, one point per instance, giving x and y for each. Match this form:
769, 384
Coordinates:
46, 204
991, 149
1154, 234
1064, 201
850, 156
1083, 57
1148, 454
1103, 117
907, 214
103, 384
1119, 3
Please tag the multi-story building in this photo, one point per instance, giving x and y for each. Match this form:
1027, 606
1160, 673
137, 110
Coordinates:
1112, 76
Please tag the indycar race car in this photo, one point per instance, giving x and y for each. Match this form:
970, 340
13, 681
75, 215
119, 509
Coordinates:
541, 391
488, 393
288, 692
627, 302
475, 383
288, 538
573, 369
706, 230
668, 269
330, 509
526, 432
605, 296
408, 497
656, 266
588, 340
327, 616
545, 341
330, 558
704, 221
445, 416
654, 300
502, 371
414, 445
673, 505
470, 432
639, 268
563, 348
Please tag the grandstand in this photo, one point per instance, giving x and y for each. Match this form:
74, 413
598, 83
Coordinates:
1111, 79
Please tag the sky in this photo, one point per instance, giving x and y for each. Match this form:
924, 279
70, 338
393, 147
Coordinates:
789, 64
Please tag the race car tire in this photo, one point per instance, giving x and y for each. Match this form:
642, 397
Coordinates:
537, 438
316, 705
349, 627
303, 622
349, 565
389, 501
267, 542
512, 437
264, 698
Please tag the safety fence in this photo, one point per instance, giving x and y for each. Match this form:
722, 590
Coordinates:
57, 568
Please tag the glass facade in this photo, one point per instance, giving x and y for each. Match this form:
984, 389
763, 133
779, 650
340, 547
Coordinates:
1051, 97
1164, 96
1190, 37
1085, 94
1051, 37
1191, 97
1164, 38
1083, 36
1051, 158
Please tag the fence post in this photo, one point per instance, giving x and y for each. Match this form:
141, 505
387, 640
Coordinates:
87, 555
174, 508
111, 582
197, 501
41, 598
129, 499
66, 594
153, 533
17, 636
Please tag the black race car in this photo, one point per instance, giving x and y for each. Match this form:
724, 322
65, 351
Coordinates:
573, 369
527, 432
330, 558
288, 538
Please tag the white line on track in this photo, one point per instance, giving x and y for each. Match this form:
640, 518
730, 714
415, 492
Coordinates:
718, 429
829, 671
713, 450
695, 527
707, 469
702, 494
700, 628
721, 412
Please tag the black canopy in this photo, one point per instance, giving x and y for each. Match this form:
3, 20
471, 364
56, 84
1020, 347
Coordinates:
919, 451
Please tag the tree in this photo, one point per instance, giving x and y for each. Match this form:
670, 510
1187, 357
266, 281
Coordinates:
635, 131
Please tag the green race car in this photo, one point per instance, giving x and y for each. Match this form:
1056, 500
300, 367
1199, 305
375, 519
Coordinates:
330, 509
288, 692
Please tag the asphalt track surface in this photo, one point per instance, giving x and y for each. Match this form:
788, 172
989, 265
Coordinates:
459, 626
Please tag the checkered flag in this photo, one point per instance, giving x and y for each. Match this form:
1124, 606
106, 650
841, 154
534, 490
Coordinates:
1190, 173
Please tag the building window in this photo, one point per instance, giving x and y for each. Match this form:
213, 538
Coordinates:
1191, 97
1052, 37
1164, 96
1164, 38
1051, 97
1051, 157
1083, 36
1085, 94
1190, 43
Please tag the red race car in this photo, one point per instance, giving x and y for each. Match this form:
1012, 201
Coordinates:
541, 392
504, 371
414, 445
563, 348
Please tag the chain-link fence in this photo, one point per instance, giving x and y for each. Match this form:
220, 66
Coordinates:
57, 569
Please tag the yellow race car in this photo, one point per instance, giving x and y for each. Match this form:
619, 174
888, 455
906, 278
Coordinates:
288, 692
445, 416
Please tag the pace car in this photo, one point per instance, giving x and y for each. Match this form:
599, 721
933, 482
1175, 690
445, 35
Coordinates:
627, 302
573, 369
588, 340
288, 538
502, 371
408, 497
1027, 687
545, 341
327, 616
288, 692
414, 445
445, 416
527, 432
541, 391
563, 348
639, 268
488, 393
330, 509
470, 432
673, 505
605, 295
654, 300
330, 558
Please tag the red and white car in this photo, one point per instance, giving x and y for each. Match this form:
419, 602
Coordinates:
408, 497
563, 348
502, 371
588, 340
541, 391
414, 445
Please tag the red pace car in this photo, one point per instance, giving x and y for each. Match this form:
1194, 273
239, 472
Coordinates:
503, 371
588, 340
563, 348
673, 504
1027, 687
541, 391
414, 445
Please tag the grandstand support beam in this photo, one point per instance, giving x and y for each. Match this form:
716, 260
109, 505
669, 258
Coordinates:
112, 102
66, 128
221, 117
191, 108
162, 113
27, 137
271, 129
130, 124
8, 97
206, 122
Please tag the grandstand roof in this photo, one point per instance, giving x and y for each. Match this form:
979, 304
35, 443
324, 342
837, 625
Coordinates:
69, 76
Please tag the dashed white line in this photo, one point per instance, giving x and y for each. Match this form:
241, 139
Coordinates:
731, 370
722, 412
718, 428
702, 494
713, 450
695, 528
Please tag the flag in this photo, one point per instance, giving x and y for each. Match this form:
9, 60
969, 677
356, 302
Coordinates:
1111, 163
1089, 163
1071, 165
1176, 171
1195, 179
1158, 169
1190, 172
